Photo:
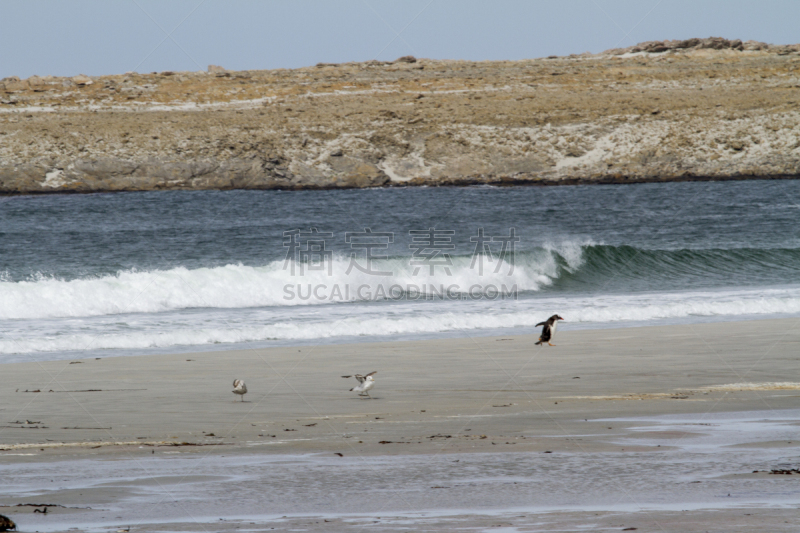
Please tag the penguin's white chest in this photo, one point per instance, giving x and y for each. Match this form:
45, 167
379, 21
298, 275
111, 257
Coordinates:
553, 329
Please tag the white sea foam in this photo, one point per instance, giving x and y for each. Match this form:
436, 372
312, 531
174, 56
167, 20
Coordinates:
410, 318
275, 284
240, 304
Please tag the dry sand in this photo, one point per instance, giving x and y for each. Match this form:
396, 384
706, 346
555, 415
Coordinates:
434, 399
500, 387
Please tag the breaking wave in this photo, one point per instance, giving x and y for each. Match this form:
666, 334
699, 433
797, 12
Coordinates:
275, 284
562, 268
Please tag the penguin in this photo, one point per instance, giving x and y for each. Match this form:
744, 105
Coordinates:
549, 329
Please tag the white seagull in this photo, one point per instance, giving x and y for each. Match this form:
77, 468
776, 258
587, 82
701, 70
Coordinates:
239, 388
365, 383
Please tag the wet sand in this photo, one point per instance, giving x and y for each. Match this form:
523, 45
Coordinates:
593, 399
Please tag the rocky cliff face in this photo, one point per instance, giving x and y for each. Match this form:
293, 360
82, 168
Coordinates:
696, 109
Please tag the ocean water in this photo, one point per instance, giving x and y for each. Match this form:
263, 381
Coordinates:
154, 272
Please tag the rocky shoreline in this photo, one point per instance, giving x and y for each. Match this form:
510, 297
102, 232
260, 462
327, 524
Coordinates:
700, 109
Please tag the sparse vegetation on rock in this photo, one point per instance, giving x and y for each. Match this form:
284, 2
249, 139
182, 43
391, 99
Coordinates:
664, 110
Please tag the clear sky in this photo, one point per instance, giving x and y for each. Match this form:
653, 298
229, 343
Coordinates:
68, 37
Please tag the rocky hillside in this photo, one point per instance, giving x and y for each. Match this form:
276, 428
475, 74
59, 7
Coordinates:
671, 110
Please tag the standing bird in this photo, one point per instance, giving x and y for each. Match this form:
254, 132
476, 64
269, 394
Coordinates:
365, 383
549, 329
239, 388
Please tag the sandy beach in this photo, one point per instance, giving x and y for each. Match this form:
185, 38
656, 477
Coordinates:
438, 401
217, 224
